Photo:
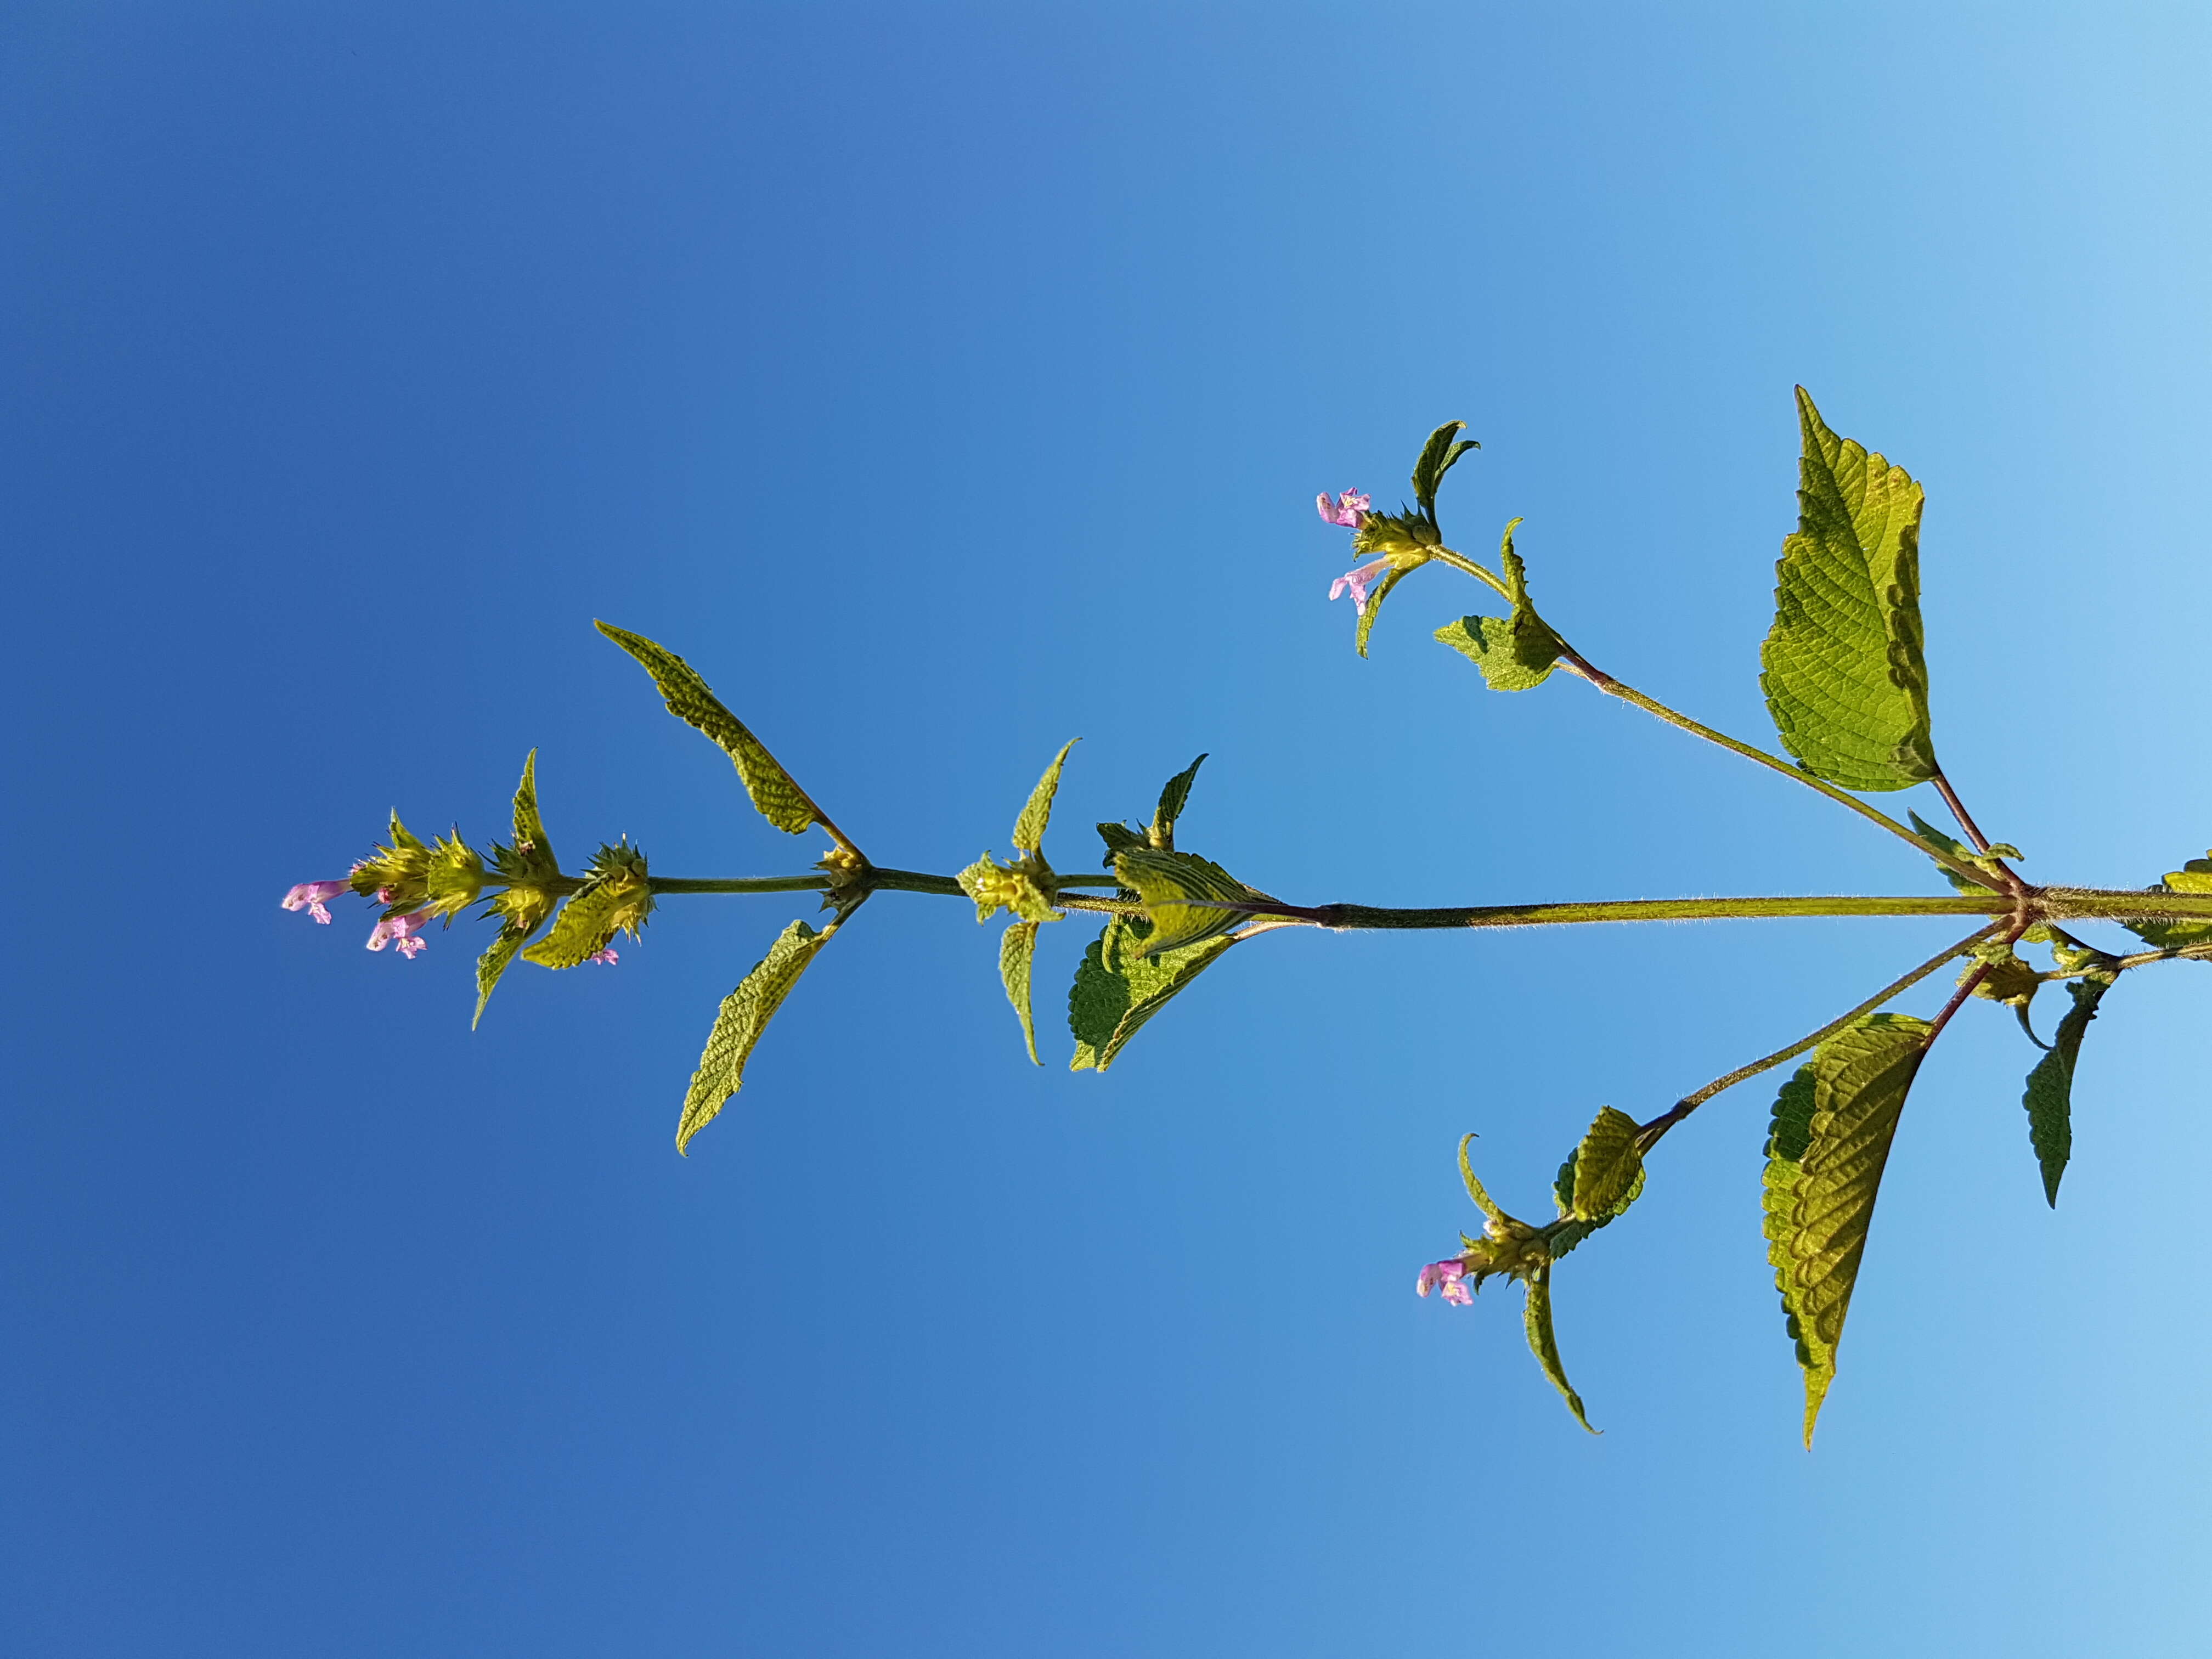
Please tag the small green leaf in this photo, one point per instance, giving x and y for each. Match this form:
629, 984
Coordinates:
2050, 1096
1608, 1167
1438, 456
1373, 608
494, 962
1118, 837
530, 838
1516, 652
1845, 676
1173, 794
1186, 897
1118, 986
1958, 849
1483, 1201
616, 898
745, 1015
1833, 1125
1029, 829
780, 801
1536, 1317
1016, 952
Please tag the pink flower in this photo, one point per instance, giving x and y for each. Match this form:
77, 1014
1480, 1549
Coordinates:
401, 931
1448, 1275
310, 896
1348, 509
1356, 581
606, 956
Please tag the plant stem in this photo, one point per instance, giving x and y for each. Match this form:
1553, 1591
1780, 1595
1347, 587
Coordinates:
1577, 664
1973, 831
1649, 1135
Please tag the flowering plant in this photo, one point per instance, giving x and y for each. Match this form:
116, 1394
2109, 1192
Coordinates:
1846, 684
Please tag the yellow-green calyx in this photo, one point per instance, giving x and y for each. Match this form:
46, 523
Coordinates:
1508, 1247
1406, 539
1025, 887
452, 876
399, 875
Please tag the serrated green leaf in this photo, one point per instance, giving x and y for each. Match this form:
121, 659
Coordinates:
1030, 828
1017, 953
616, 897
1118, 836
780, 800
1438, 456
1185, 896
1118, 987
1516, 652
2050, 1096
1173, 794
1608, 1167
1845, 676
1833, 1125
1373, 608
529, 837
1536, 1319
494, 962
2194, 876
744, 1014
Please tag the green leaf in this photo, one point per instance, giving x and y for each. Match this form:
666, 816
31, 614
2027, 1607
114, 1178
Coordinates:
1029, 829
1958, 849
1173, 794
494, 962
1608, 1167
1833, 1125
1016, 952
1118, 837
2050, 1096
1536, 1317
529, 837
780, 801
1372, 610
1516, 652
1438, 456
1184, 895
2194, 876
1482, 1201
745, 1015
616, 897
1118, 986
1844, 677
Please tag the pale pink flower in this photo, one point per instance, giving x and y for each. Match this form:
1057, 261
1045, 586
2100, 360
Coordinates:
1348, 509
312, 897
401, 931
1356, 581
1448, 1276
606, 956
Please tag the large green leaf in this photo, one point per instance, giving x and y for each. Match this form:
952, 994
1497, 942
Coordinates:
1516, 652
1118, 986
2050, 1096
1185, 897
1845, 676
1536, 1319
780, 801
1017, 952
1833, 1122
745, 1015
1030, 828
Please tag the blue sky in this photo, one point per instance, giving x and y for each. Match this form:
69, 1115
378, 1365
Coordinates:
945, 382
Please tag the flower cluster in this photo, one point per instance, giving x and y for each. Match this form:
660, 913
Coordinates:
1349, 510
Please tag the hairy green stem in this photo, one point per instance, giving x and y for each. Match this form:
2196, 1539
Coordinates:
1650, 1134
1578, 665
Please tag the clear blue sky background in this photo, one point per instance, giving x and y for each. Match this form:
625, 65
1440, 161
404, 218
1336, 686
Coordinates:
947, 382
